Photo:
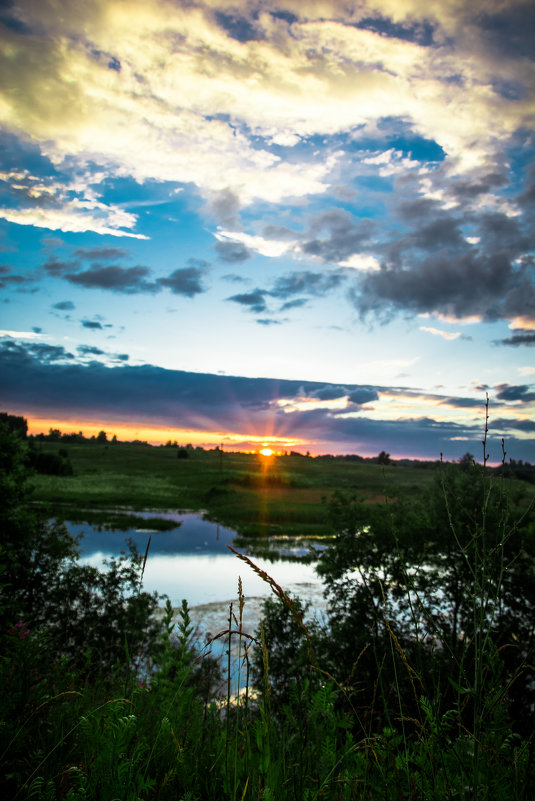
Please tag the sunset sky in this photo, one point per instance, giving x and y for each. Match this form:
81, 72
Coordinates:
307, 223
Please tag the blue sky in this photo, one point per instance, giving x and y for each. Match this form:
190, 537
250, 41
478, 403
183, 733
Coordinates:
306, 222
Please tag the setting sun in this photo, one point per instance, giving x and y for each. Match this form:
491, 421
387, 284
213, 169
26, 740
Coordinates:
266, 452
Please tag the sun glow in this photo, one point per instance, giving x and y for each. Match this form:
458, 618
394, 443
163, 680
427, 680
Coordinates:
266, 452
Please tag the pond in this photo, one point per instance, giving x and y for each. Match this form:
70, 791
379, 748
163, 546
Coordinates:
193, 562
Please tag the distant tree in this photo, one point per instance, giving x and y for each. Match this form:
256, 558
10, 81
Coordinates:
384, 458
102, 437
182, 453
14, 423
467, 461
54, 434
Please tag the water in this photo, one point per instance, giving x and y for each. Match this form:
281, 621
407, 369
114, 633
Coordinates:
193, 562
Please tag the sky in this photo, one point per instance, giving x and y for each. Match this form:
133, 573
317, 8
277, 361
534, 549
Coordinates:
305, 223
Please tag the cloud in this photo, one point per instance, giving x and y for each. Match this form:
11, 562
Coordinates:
233, 252
345, 236
211, 76
268, 321
46, 380
298, 303
238, 27
7, 278
186, 281
444, 334
510, 393
469, 283
224, 205
363, 395
306, 283
526, 338
89, 350
506, 423
96, 254
64, 305
255, 301
93, 324
22, 334
116, 279
75, 216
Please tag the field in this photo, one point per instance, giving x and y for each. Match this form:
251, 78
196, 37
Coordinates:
255, 495
419, 684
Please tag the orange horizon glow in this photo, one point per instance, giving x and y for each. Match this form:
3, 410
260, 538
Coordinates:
159, 435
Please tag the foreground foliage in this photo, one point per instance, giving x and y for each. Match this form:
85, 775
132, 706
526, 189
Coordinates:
419, 687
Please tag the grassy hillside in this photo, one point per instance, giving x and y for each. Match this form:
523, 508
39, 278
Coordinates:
254, 495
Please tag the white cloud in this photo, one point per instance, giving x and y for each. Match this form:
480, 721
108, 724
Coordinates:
448, 318
187, 95
23, 335
524, 323
72, 217
271, 248
438, 333
359, 261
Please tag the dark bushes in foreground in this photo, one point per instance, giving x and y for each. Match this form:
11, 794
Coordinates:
419, 687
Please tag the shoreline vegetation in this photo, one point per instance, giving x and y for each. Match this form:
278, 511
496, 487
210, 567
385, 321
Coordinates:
419, 685
104, 480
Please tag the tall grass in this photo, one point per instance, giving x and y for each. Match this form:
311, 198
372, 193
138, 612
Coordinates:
436, 722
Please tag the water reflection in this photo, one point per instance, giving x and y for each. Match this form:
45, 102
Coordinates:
192, 561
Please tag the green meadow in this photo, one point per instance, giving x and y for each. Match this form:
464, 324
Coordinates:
418, 686
255, 495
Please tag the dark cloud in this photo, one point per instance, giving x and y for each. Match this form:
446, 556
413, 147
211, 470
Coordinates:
58, 267
89, 350
343, 236
328, 393
8, 278
510, 31
487, 183
294, 304
255, 300
64, 305
268, 321
306, 282
520, 425
287, 16
129, 280
420, 33
238, 27
97, 254
363, 395
232, 251
510, 392
458, 403
490, 285
49, 354
94, 324
45, 379
186, 281
524, 338
224, 205
278, 232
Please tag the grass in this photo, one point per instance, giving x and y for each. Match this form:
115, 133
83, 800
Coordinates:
255, 497
167, 735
